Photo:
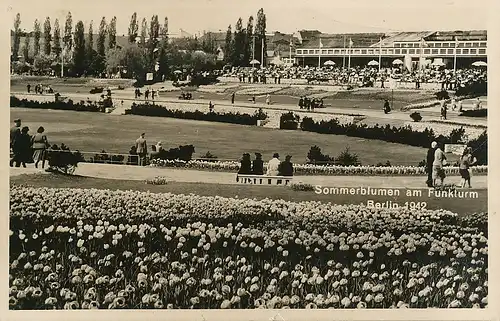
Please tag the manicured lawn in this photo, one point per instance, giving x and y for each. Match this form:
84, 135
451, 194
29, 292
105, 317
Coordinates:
460, 206
94, 132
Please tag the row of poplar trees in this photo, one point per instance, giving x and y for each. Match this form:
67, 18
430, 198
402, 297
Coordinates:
77, 45
245, 44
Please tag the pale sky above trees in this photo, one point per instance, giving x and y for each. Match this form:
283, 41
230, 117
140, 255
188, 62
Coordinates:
331, 16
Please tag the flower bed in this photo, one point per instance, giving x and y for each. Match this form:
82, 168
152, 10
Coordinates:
77, 248
311, 169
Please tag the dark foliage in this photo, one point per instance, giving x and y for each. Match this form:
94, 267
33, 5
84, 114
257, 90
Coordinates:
443, 94
346, 158
184, 153
475, 89
289, 121
416, 116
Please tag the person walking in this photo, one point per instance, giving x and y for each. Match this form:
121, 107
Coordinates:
268, 99
273, 165
141, 147
232, 99
430, 161
301, 102
286, 167
22, 148
258, 165
387, 107
15, 131
29, 88
466, 160
478, 104
444, 109
437, 166
39, 144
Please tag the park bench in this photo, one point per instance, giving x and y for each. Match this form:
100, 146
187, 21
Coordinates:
263, 179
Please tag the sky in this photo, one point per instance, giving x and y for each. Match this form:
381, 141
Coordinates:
329, 16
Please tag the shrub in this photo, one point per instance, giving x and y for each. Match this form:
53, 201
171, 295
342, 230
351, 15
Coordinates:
480, 148
307, 123
260, 114
62, 157
416, 116
475, 89
457, 135
289, 121
347, 158
184, 153
316, 156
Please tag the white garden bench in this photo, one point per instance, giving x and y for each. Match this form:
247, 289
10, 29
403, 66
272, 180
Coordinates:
263, 179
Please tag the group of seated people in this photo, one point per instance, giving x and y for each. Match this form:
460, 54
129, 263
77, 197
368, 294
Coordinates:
275, 167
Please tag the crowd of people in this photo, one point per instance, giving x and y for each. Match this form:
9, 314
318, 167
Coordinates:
27, 148
436, 159
365, 75
275, 166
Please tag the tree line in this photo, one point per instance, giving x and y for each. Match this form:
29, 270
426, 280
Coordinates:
72, 47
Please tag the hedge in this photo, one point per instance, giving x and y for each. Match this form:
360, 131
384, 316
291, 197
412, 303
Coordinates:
59, 105
160, 111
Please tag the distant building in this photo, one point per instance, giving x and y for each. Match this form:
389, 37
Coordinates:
466, 46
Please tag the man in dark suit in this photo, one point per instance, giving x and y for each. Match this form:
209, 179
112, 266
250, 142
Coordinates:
430, 160
258, 165
15, 132
286, 167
